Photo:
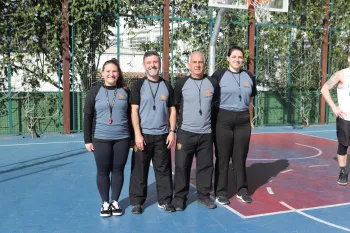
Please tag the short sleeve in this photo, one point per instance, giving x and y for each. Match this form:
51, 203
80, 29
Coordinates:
171, 100
178, 90
135, 96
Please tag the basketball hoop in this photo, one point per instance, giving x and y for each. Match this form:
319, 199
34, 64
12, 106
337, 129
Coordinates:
262, 9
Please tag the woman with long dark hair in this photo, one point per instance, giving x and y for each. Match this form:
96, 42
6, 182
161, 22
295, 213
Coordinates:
233, 127
107, 134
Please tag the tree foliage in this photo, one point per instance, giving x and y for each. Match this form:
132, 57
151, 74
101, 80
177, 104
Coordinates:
288, 47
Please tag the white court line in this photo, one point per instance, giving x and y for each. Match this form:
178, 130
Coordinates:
290, 211
311, 131
309, 157
269, 190
317, 136
325, 206
225, 206
314, 218
289, 170
40, 143
319, 166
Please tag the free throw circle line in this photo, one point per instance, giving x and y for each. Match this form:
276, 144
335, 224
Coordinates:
319, 152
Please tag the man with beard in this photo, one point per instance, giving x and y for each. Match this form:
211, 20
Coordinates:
153, 118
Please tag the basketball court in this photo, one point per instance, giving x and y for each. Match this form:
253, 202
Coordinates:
49, 185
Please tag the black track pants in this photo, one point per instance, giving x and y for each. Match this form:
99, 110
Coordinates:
232, 138
188, 145
157, 151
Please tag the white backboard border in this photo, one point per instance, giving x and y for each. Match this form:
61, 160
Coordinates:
243, 4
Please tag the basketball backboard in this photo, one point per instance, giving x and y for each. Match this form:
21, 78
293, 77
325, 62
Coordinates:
275, 5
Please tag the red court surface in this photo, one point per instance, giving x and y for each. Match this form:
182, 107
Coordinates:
292, 168
296, 169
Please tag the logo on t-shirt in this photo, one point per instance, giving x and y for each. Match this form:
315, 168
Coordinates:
162, 97
207, 93
121, 96
246, 84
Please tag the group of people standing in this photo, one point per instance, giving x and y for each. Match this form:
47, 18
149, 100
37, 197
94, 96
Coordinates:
202, 115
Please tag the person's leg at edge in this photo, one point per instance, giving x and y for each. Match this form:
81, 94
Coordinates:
342, 162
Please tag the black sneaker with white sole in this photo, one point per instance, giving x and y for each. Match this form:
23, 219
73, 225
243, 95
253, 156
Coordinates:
244, 196
137, 209
105, 210
222, 200
115, 209
207, 203
343, 178
167, 207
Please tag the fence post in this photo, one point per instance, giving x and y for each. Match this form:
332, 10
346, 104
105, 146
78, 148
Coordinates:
66, 61
118, 30
9, 87
251, 48
166, 35
324, 60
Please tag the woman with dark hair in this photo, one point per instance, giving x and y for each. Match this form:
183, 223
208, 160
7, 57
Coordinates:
232, 125
107, 134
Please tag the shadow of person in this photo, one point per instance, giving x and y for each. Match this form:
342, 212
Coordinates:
258, 174
151, 197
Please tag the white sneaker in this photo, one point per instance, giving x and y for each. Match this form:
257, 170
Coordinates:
105, 210
115, 209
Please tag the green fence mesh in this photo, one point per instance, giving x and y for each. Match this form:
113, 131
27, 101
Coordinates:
287, 63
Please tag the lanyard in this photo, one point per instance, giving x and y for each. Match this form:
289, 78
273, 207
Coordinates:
109, 106
239, 85
199, 96
153, 94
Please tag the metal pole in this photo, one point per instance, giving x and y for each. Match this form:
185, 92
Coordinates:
325, 43
166, 35
172, 44
118, 30
66, 64
215, 36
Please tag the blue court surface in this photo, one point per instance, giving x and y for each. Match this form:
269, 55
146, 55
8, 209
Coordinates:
49, 185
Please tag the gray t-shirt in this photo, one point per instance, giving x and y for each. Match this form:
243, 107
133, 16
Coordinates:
154, 100
97, 114
195, 99
235, 89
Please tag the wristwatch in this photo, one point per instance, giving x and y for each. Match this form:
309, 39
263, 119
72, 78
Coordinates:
174, 131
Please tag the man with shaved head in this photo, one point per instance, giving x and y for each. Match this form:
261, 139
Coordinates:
195, 96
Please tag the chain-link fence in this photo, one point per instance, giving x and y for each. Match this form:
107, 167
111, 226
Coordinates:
287, 62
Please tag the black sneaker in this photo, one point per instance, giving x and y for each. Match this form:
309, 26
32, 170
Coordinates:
105, 210
167, 207
207, 203
244, 196
222, 200
115, 209
343, 178
180, 206
137, 209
